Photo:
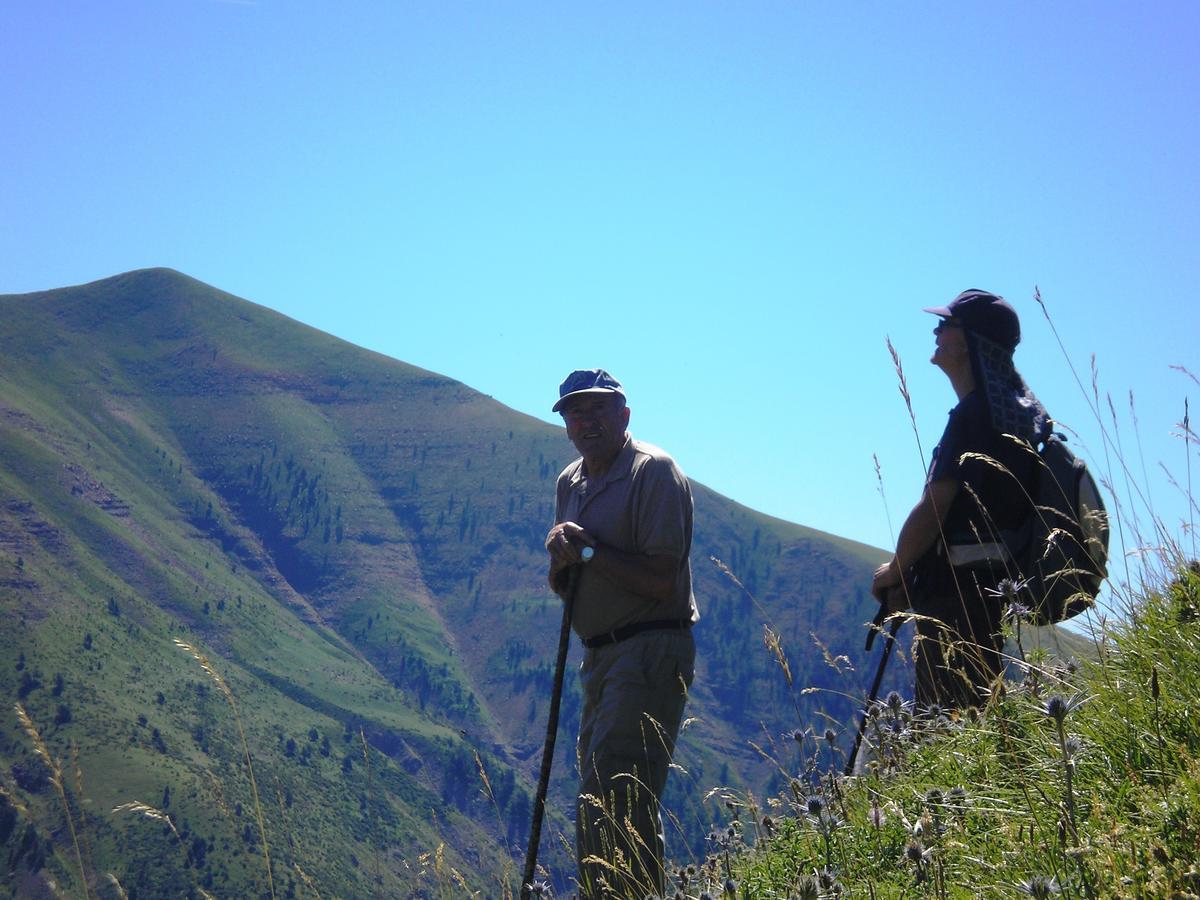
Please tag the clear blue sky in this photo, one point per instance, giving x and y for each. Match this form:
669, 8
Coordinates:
730, 206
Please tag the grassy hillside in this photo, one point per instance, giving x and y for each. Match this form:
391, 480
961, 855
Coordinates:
1079, 780
356, 545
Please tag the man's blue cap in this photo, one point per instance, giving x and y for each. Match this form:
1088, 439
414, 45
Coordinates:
587, 381
989, 315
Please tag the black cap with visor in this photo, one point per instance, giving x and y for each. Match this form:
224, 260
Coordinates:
985, 314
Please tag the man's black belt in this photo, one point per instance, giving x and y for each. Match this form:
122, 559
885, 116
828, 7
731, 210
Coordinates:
628, 631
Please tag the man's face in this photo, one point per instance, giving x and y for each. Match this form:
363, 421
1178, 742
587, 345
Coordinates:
596, 424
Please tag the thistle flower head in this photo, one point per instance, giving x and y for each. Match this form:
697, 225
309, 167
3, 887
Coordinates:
1058, 707
1008, 589
894, 703
830, 736
915, 853
827, 880
1039, 886
807, 888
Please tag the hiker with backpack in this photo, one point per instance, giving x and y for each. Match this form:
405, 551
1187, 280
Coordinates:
969, 531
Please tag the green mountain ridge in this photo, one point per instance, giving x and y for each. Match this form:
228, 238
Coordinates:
356, 544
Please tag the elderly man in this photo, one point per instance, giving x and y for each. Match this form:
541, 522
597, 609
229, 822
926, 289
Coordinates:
623, 515
958, 542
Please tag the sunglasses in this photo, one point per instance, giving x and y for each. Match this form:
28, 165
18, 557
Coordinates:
943, 324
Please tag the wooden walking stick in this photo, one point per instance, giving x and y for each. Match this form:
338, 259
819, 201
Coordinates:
539, 803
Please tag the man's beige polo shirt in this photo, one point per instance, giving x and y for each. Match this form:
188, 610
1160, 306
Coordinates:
642, 505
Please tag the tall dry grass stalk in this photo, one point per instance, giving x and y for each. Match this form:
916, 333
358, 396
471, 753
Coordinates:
506, 871
1187, 447
445, 876
56, 778
237, 716
377, 875
115, 882
157, 815
77, 774
902, 383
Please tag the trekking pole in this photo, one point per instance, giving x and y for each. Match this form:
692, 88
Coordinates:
539, 803
873, 694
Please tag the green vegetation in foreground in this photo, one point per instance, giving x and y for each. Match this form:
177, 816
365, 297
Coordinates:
1077, 780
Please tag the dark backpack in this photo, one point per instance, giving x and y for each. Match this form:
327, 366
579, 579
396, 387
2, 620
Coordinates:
1065, 559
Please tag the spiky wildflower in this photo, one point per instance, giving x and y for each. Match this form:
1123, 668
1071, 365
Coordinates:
894, 703
1016, 612
1008, 589
1039, 887
827, 880
807, 888
1072, 747
815, 806
915, 852
918, 855
682, 878
956, 800
1058, 707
